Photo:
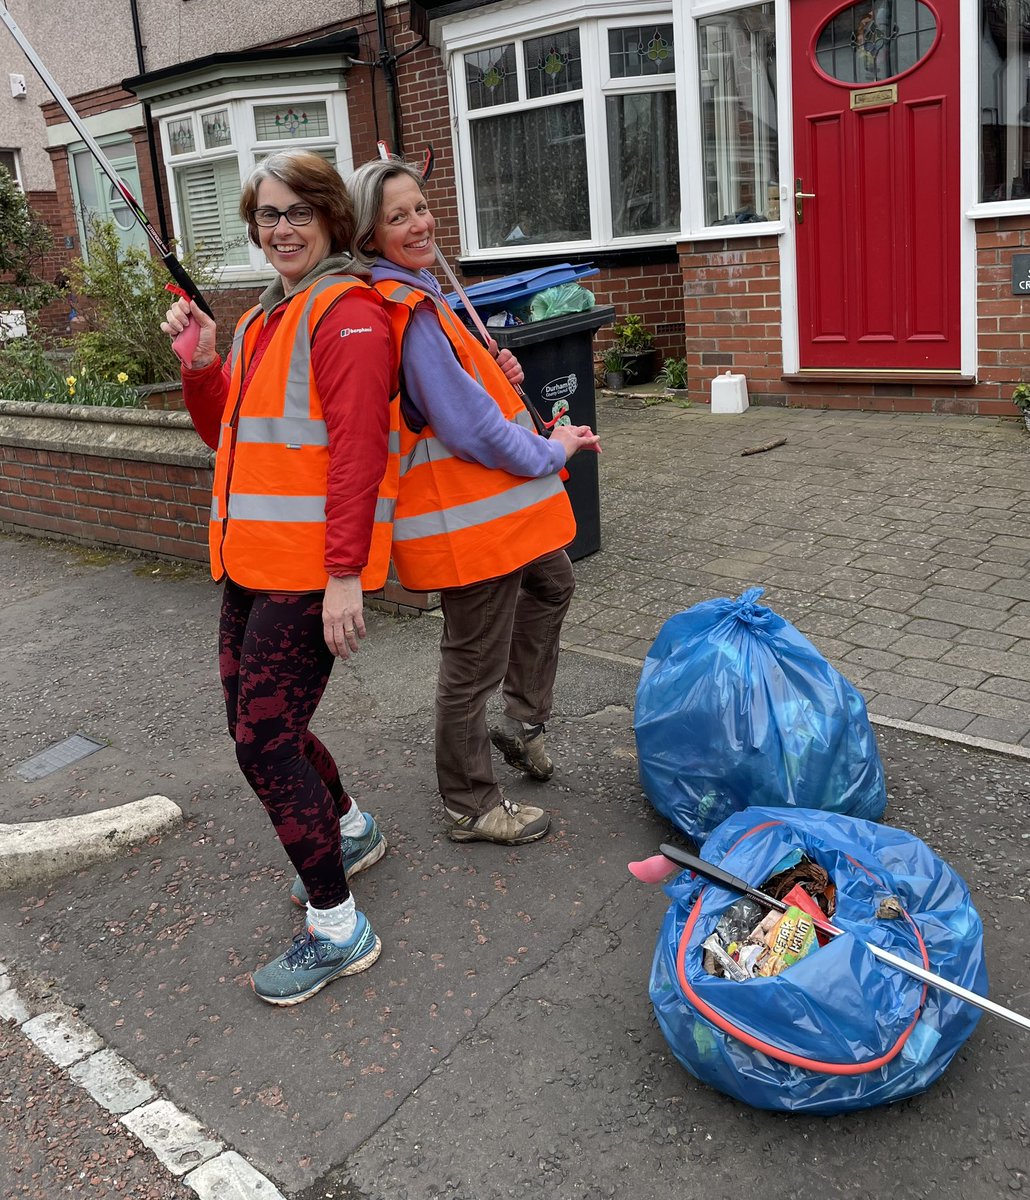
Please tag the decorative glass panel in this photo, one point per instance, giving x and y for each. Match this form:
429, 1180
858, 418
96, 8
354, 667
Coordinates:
530, 176
180, 136
737, 52
640, 50
643, 162
553, 64
872, 41
1004, 101
217, 131
289, 122
491, 77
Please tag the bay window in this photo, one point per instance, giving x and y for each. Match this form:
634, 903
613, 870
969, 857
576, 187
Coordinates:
210, 151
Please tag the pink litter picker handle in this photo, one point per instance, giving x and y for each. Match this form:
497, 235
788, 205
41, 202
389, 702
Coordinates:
185, 343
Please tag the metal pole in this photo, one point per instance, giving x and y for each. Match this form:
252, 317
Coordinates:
175, 268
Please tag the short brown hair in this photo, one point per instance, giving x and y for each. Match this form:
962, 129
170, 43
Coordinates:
316, 181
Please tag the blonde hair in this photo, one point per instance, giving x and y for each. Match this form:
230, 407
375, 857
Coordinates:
316, 181
366, 190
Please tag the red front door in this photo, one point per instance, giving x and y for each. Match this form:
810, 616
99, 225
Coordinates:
876, 147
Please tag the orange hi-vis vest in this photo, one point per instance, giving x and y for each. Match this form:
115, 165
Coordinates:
267, 526
459, 522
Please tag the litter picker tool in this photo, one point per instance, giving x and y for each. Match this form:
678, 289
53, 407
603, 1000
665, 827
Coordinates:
183, 283
648, 871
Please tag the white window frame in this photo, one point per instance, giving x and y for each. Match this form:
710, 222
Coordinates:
16, 156
691, 148
246, 148
538, 19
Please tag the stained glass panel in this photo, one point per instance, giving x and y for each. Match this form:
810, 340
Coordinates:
553, 64
491, 77
640, 50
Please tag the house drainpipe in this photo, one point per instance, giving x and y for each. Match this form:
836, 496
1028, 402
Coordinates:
148, 123
387, 62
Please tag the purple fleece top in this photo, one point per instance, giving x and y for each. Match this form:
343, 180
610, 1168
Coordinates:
462, 415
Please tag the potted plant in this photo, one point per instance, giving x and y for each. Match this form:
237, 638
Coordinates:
613, 365
636, 342
673, 374
1021, 399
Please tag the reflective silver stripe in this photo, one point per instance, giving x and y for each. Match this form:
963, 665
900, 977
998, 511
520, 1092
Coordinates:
241, 329
429, 450
426, 450
385, 508
298, 376
478, 512
276, 508
393, 442
214, 509
284, 431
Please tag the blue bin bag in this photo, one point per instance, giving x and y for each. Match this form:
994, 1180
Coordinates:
736, 707
840, 1029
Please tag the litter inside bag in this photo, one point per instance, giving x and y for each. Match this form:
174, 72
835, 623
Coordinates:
735, 707
837, 1029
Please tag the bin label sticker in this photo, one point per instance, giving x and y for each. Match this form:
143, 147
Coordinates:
560, 389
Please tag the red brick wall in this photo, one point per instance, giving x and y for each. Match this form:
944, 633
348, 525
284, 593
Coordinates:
732, 317
128, 503
152, 507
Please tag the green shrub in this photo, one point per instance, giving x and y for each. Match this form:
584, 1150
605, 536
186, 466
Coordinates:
24, 241
122, 294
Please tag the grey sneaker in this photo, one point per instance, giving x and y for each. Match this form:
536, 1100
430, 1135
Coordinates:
312, 962
358, 853
508, 824
523, 747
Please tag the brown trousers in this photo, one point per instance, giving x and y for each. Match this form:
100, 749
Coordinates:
506, 631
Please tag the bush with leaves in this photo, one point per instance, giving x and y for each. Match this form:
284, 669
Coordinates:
24, 242
122, 294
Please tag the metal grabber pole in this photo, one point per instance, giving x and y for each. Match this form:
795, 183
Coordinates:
175, 268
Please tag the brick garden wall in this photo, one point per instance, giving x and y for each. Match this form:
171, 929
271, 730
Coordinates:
732, 318
126, 479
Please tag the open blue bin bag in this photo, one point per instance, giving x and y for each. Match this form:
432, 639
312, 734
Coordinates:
736, 707
840, 1029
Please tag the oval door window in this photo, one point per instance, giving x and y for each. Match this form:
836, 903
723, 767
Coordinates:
870, 42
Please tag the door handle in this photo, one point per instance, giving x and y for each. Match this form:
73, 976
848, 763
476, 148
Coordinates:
799, 201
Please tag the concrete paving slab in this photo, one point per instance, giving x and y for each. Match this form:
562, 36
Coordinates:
230, 1177
63, 1038
177, 1139
112, 1082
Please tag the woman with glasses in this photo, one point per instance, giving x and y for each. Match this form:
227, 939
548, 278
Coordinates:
482, 516
299, 418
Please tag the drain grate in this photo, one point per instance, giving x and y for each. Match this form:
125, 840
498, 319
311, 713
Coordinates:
54, 758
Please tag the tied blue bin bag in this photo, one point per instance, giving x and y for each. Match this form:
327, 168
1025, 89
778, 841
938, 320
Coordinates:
838, 1030
735, 707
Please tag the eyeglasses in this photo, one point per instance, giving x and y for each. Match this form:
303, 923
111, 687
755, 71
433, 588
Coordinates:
268, 217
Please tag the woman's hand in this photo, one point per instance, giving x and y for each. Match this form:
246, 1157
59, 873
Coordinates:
508, 363
343, 622
182, 313
575, 437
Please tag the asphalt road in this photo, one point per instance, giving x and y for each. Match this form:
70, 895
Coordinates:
504, 1045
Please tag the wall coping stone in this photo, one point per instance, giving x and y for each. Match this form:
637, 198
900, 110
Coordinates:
145, 435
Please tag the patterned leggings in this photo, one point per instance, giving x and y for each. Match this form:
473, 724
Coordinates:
274, 665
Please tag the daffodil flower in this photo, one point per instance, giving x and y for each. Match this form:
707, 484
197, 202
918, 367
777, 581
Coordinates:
70, 381
122, 377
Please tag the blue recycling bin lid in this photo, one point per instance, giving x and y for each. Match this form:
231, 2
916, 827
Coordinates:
493, 293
